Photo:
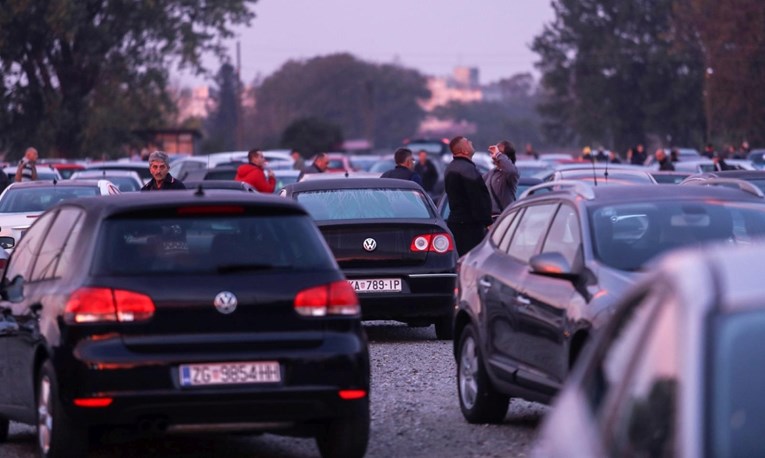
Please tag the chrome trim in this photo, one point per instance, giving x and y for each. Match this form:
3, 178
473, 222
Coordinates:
432, 275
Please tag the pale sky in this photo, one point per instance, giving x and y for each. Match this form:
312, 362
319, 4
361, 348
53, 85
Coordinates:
432, 36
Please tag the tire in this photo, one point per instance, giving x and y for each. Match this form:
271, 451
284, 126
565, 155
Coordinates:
346, 437
479, 401
444, 328
58, 435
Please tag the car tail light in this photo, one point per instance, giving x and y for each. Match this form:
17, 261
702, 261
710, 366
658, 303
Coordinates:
440, 243
337, 298
93, 402
98, 305
351, 394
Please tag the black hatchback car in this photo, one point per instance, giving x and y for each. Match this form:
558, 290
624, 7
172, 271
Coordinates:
550, 271
391, 243
181, 311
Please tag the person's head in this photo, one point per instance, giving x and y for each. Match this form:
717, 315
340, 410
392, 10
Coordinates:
731, 149
461, 146
422, 156
709, 147
660, 154
295, 154
639, 148
507, 148
321, 161
159, 165
745, 145
403, 157
529, 148
30, 154
255, 157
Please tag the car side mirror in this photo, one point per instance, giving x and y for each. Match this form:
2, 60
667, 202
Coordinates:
552, 264
7, 242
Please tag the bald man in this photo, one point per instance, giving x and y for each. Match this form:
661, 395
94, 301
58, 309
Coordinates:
27, 168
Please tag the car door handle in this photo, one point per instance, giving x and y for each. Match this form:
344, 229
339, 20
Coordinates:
523, 300
484, 283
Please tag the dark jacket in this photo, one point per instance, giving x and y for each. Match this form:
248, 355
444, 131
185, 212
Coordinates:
428, 173
168, 184
402, 173
468, 196
502, 183
638, 158
667, 165
310, 169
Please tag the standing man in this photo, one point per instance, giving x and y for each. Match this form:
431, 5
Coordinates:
664, 162
159, 166
638, 155
320, 163
299, 163
426, 170
404, 169
27, 168
468, 197
255, 174
502, 180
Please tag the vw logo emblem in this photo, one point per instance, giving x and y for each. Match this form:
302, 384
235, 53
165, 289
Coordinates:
225, 302
369, 244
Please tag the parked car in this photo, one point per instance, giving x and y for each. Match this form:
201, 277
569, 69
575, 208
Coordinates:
755, 177
757, 157
674, 372
140, 167
21, 203
125, 180
669, 177
183, 311
66, 169
393, 247
230, 185
601, 174
44, 173
552, 268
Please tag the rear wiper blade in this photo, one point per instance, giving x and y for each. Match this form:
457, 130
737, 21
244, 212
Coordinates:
227, 268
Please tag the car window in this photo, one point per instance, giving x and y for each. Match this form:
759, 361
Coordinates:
39, 199
531, 228
500, 227
209, 244
380, 203
564, 236
50, 262
505, 242
24, 254
645, 411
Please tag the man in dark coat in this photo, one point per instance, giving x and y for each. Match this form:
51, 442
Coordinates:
159, 166
468, 197
664, 162
319, 165
404, 169
427, 171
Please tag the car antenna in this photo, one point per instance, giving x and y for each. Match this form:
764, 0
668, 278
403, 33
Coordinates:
346, 174
594, 174
199, 192
605, 174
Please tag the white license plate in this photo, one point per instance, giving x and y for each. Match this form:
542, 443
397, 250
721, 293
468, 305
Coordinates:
376, 285
230, 373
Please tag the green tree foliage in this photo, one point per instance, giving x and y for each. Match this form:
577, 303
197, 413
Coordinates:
512, 117
618, 71
312, 135
78, 75
377, 102
222, 122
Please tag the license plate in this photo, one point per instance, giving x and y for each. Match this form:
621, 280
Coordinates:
376, 285
230, 373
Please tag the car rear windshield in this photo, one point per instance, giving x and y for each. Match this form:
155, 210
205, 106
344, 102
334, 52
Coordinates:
626, 236
210, 244
380, 203
737, 407
25, 199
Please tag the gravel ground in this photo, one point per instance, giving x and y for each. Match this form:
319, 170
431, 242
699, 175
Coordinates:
415, 413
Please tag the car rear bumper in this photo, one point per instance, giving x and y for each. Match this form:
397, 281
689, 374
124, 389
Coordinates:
423, 295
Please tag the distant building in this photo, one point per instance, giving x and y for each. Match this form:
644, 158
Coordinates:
462, 86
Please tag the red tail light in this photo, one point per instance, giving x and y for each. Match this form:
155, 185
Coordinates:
93, 402
97, 305
440, 243
337, 298
352, 394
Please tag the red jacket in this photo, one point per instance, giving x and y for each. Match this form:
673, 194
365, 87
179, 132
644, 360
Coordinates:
255, 177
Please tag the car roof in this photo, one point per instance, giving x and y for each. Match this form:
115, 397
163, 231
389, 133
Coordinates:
741, 174
105, 172
51, 184
352, 183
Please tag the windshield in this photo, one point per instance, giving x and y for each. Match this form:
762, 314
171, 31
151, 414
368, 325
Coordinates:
210, 244
626, 236
385, 203
28, 200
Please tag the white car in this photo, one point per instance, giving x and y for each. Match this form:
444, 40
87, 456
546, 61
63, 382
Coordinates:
44, 173
21, 203
125, 180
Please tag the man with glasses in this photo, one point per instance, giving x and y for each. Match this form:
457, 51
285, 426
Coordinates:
404, 169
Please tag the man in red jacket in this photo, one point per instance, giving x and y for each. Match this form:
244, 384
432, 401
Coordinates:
254, 174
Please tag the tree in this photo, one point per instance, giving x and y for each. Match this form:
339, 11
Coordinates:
222, 123
618, 71
312, 135
376, 102
79, 75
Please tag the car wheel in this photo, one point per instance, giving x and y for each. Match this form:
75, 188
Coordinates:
479, 401
444, 327
57, 434
347, 436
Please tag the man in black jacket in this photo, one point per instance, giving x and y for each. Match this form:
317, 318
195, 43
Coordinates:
159, 166
427, 171
468, 196
404, 169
